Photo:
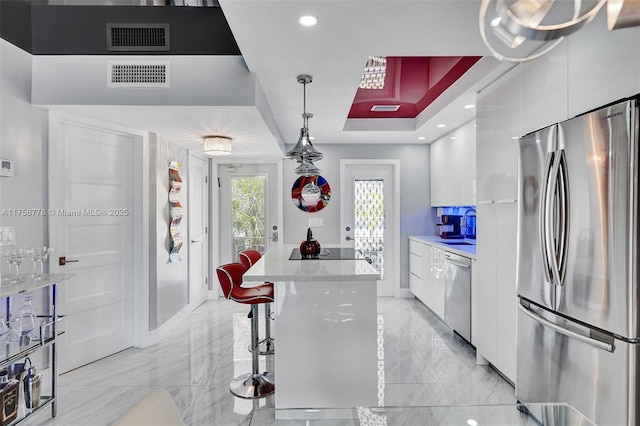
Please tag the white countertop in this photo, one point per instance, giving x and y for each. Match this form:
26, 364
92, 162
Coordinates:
276, 266
463, 250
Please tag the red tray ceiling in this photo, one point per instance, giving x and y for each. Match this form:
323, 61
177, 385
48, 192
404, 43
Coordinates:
413, 83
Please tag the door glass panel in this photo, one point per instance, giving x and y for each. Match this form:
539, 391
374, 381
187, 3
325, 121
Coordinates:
248, 213
369, 220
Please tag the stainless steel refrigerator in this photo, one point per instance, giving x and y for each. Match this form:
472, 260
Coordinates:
578, 296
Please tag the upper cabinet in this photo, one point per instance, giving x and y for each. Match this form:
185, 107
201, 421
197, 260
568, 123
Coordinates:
453, 168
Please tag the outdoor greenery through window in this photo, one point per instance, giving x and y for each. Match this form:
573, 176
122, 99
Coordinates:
248, 212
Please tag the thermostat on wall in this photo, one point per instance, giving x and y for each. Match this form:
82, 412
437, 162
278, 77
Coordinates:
7, 167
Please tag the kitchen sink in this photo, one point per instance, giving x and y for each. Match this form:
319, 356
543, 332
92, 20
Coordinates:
458, 243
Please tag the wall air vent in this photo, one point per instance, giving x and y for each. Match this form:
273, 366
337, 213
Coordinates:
385, 108
137, 37
138, 74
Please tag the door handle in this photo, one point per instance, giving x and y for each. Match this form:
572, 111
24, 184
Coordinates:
348, 238
569, 333
274, 237
62, 260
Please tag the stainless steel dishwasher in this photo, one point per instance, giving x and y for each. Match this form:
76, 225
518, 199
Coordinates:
457, 287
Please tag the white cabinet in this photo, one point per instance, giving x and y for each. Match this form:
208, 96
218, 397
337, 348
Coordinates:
435, 281
419, 263
494, 291
453, 168
426, 275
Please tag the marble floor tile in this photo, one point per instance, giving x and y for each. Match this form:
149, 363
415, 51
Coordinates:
422, 363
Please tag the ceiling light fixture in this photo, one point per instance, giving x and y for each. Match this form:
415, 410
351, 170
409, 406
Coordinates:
304, 151
440, 126
216, 145
308, 21
469, 106
375, 71
421, 138
516, 22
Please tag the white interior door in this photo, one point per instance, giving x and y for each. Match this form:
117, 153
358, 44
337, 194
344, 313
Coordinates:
368, 215
91, 226
198, 229
250, 174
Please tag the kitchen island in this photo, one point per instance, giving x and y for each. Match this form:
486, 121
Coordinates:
325, 329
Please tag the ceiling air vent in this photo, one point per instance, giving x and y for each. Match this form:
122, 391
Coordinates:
138, 74
137, 37
385, 108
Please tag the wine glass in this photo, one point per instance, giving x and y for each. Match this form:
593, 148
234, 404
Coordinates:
33, 255
14, 257
42, 258
18, 256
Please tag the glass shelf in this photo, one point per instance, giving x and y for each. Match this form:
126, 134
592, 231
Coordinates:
24, 412
12, 352
29, 283
494, 415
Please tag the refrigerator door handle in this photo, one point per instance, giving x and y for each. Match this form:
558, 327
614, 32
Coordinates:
566, 332
560, 252
544, 231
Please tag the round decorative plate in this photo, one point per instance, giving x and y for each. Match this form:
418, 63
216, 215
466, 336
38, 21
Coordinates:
310, 193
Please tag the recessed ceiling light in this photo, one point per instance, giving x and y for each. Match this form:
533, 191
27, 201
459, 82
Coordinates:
421, 138
469, 106
308, 21
453, 138
440, 125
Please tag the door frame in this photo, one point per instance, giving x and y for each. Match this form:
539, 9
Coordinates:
395, 231
194, 303
142, 337
214, 199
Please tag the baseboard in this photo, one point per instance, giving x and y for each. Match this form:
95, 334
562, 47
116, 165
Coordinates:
405, 293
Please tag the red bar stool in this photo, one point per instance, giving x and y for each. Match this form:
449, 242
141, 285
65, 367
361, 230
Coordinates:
266, 346
255, 384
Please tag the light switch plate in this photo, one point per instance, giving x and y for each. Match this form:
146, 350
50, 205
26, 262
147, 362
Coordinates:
316, 221
6, 167
7, 236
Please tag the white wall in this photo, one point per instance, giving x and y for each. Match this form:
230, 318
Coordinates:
23, 130
415, 213
169, 282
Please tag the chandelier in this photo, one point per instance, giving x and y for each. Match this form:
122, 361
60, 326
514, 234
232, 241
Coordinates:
374, 73
304, 151
216, 145
519, 24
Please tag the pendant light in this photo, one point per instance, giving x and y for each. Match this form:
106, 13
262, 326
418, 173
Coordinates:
304, 151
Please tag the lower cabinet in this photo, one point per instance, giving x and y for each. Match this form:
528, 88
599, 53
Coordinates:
426, 275
419, 264
435, 281
493, 295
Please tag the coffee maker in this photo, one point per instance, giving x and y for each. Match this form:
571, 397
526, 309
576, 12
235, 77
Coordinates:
450, 226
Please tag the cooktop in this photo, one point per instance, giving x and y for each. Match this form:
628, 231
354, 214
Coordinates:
336, 253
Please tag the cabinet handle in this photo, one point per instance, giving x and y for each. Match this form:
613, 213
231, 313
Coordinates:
507, 201
482, 203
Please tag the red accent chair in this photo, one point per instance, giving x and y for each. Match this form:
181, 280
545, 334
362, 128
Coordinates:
267, 345
255, 384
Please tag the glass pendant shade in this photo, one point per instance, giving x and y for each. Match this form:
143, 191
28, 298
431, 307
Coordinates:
304, 149
216, 145
307, 168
